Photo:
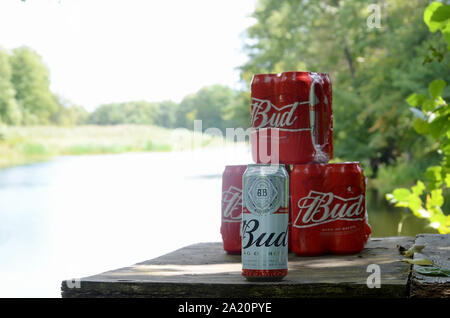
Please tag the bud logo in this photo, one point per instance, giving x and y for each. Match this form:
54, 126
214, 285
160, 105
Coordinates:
319, 208
232, 204
282, 117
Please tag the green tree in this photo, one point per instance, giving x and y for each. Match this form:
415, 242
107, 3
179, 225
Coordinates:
139, 112
30, 77
209, 104
69, 114
237, 113
166, 114
373, 70
432, 119
9, 109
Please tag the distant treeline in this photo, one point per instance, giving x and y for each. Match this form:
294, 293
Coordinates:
26, 99
214, 105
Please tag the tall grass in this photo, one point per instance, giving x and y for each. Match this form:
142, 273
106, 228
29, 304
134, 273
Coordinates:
21, 145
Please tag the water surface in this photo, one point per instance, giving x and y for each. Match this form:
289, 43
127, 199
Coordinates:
78, 216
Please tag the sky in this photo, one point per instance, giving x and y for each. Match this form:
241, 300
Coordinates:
103, 51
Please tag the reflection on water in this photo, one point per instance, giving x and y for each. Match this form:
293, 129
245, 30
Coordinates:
79, 216
386, 220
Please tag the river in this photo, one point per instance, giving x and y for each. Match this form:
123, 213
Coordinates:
77, 216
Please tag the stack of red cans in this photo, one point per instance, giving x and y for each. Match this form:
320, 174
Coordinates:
292, 124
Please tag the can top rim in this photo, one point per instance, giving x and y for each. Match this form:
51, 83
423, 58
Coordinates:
288, 73
243, 165
328, 163
266, 165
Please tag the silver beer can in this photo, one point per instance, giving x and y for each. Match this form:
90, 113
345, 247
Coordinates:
265, 218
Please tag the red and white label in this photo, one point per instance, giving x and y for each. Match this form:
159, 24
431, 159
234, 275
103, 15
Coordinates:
320, 208
265, 114
232, 205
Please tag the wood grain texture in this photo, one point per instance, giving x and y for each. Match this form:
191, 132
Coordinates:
437, 249
205, 270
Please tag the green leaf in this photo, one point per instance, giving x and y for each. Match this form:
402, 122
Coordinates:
436, 198
401, 194
429, 11
418, 261
414, 249
418, 188
436, 87
446, 33
445, 146
414, 203
416, 99
441, 14
434, 175
438, 126
428, 105
447, 180
421, 126
433, 271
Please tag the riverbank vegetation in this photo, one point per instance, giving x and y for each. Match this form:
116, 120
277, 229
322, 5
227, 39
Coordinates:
28, 144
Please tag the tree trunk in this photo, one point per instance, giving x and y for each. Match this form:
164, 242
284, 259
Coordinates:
348, 57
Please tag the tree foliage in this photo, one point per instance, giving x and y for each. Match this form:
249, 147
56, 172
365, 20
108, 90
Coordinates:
69, 114
26, 98
140, 112
25, 95
432, 119
30, 78
209, 105
373, 70
9, 109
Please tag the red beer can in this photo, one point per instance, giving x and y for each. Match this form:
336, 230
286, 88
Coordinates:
328, 208
297, 106
232, 208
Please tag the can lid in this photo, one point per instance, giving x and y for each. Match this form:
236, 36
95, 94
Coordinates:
266, 164
235, 166
345, 163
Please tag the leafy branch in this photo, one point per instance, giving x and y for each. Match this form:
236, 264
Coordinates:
432, 118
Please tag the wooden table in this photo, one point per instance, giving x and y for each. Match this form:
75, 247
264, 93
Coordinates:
205, 270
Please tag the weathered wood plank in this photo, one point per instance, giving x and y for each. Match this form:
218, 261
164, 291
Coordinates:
437, 249
205, 270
